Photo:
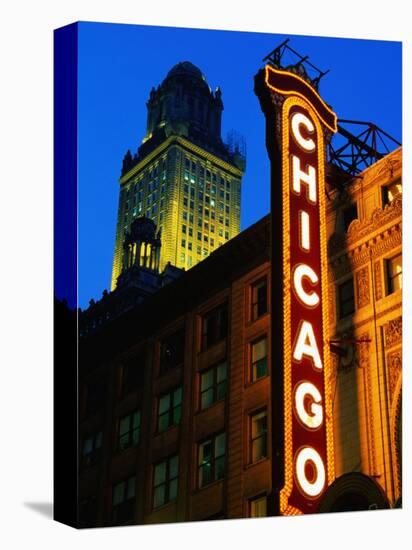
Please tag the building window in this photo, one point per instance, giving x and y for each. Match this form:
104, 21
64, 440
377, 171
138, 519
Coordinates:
259, 299
214, 326
172, 350
123, 501
258, 359
92, 447
213, 385
129, 431
257, 507
346, 298
394, 273
165, 481
350, 213
391, 192
169, 410
183, 243
257, 436
211, 462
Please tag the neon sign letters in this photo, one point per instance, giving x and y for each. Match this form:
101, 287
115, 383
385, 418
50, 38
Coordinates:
308, 435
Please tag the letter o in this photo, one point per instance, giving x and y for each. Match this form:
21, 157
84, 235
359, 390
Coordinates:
310, 488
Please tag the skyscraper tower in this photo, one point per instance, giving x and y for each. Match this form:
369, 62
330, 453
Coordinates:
183, 176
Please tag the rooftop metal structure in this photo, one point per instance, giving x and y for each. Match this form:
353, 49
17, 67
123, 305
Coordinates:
297, 62
361, 150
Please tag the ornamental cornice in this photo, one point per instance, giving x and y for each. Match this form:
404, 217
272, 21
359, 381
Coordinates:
364, 234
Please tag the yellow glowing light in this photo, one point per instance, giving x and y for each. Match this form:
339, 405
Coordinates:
314, 418
315, 487
269, 69
306, 345
308, 177
304, 232
297, 120
310, 299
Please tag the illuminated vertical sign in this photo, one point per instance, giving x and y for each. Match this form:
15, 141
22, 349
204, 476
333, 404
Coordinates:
298, 120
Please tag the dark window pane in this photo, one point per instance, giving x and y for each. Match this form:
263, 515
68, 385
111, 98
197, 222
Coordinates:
172, 350
346, 298
394, 270
349, 214
214, 326
258, 359
258, 437
206, 398
169, 409
392, 191
165, 481
259, 299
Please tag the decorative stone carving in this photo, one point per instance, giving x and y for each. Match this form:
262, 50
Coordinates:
394, 362
362, 285
363, 350
378, 281
393, 332
359, 230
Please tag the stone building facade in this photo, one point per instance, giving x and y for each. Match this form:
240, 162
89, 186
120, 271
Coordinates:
365, 292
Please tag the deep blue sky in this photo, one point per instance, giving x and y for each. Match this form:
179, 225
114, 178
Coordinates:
118, 65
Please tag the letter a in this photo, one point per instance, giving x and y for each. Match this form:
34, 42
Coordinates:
306, 345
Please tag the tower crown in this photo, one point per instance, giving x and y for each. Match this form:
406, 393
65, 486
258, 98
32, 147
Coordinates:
185, 68
184, 105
